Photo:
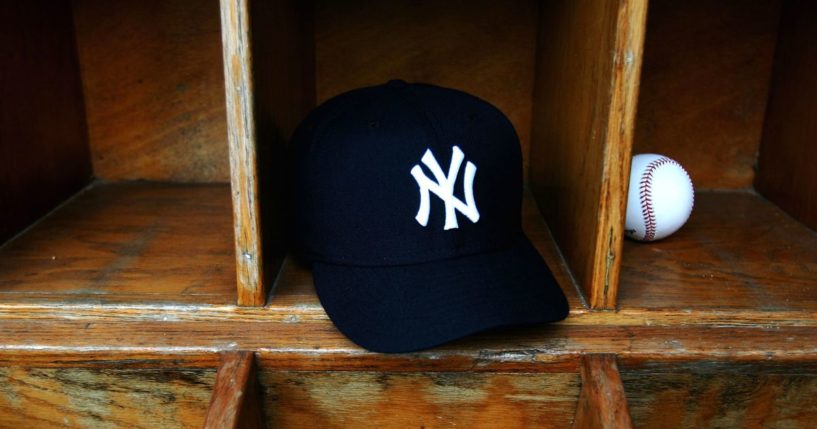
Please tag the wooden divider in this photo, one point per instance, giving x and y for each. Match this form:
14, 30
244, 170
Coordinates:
267, 94
235, 402
602, 403
589, 59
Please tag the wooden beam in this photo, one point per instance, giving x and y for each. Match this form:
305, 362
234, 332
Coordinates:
602, 403
235, 402
238, 83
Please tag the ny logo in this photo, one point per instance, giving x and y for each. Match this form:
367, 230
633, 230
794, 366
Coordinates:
444, 188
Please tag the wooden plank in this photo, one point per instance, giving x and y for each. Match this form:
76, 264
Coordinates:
235, 402
107, 397
128, 243
325, 399
706, 394
737, 253
704, 86
153, 89
483, 47
584, 105
788, 153
602, 403
241, 133
44, 155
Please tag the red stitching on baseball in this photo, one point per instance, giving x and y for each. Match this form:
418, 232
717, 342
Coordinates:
645, 195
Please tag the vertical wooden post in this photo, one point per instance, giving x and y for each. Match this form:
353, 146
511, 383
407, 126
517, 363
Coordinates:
588, 66
602, 403
241, 134
235, 402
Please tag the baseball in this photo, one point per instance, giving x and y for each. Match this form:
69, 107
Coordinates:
660, 197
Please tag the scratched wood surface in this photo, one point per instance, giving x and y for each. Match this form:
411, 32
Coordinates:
44, 155
602, 403
738, 252
154, 89
109, 398
483, 47
430, 400
788, 153
136, 243
704, 86
235, 402
584, 105
722, 396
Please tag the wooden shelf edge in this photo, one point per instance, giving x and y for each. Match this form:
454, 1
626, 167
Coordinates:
602, 403
235, 402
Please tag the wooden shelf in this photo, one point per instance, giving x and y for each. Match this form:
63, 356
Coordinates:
131, 243
738, 252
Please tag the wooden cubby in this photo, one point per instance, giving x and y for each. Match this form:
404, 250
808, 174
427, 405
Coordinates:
120, 144
142, 191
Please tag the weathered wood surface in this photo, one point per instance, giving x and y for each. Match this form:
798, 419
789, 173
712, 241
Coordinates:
44, 155
738, 253
788, 153
153, 86
483, 47
602, 403
349, 399
235, 403
722, 395
584, 106
704, 86
128, 243
110, 398
241, 133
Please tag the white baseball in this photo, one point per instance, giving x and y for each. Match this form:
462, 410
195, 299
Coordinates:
660, 198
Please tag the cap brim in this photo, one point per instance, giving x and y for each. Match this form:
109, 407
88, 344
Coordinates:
407, 308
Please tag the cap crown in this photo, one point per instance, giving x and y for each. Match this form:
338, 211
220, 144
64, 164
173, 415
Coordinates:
404, 173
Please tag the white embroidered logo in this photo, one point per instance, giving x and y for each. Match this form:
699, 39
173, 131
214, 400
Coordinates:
444, 188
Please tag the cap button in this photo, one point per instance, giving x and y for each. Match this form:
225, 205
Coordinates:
396, 83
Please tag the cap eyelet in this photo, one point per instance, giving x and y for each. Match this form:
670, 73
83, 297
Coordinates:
374, 124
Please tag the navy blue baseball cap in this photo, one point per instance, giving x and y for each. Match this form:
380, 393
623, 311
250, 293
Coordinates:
407, 202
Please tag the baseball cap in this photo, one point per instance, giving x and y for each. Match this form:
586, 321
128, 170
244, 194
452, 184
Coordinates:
407, 201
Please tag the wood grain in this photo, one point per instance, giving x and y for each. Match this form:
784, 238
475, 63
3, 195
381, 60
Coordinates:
584, 105
738, 252
152, 78
283, 66
483, 47
241, 133
137, 243
788, 153
704, 86
704, 395
235, 403
111, 398
602, 403
44, 155
429, 400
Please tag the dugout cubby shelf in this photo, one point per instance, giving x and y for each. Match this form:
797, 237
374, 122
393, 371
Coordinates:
143, 272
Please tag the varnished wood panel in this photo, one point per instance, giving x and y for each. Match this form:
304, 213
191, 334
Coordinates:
235, 403
283, 64
738, 252
704, 85
154, 89
430, 400
707, 396
44, 155
111, 398
483, 47
788, 152
584, 105
136, 243
602, 403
